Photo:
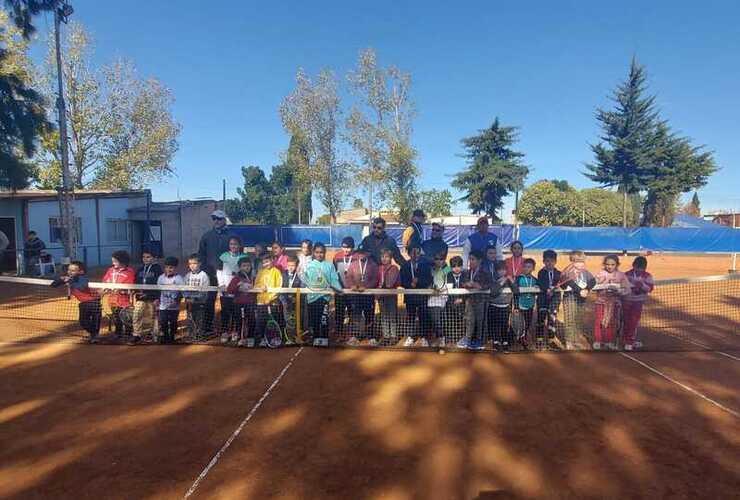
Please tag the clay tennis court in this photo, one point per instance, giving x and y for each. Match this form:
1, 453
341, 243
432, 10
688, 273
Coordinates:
108, 421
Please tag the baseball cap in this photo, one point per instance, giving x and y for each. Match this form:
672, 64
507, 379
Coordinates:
218, 214
482, 219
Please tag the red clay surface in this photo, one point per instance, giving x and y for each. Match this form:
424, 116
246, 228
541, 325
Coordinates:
80, 421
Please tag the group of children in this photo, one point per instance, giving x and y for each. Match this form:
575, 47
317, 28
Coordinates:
508, 298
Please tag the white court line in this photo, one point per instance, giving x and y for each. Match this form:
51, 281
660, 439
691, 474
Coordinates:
708, 348
683, 386
238, 430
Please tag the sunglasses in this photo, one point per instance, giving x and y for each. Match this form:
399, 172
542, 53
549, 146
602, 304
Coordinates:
436, 230
439, 258
217, 218
378, 227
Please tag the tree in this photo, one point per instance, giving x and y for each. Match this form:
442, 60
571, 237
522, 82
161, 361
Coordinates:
435, 203
283, 188
22, 115
550, 203
358, 203
494, 170
379, 131
601, 207
693, 207
122, 133
255, 202
626, 151
296, 161
311, 112
679, 167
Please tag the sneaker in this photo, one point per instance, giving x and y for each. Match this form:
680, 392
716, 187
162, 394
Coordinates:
409, 342
136, 339
235, 337
250, 342
92, 340
505, 347
463, 343
496, 345
263, 342
424, 343
242, 342
353, 341
475, 345
627, 347
372, 343
442, 342
317, 342
597, 346
225, 338
637, 344
611, 346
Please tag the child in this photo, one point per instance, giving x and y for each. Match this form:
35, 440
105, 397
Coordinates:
489, 264
548, 300
228, 267
304, 257
415, 274
291, 279
342, 261
89, 301
455, 321
436, 303
268, 276
577, 281
144, 310
388, 278
120, 300
259, 249
525, 300
361, 274
499, 308
642, 284
476, 279
169, 301
515, 262
240, 288
196, 301
279, 258
323, 276
608, 302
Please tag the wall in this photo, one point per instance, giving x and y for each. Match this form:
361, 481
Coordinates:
14, 208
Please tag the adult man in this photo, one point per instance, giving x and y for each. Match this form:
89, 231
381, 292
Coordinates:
212, 244
377, 240
436, 244
413, 235
32, 249
480, 240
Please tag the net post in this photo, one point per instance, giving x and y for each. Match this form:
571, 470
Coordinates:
298, 324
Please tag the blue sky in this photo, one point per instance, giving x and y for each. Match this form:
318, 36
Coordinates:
544, 67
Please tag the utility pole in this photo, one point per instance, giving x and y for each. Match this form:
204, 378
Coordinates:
62, 12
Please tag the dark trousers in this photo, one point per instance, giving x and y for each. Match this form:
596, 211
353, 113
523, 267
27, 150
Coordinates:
498, 324
228, 314
362, 307
244, 319
342, 309
528, 316
90, 317
436, 316
475, 319
318, 318
209, 313
168, 323
416, 309
547, 313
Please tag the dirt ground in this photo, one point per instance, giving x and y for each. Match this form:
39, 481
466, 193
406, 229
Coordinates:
79, 421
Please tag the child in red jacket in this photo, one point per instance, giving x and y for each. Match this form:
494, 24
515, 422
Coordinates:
241, 287
118, 299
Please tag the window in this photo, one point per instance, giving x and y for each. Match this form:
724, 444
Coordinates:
55, 230
118, 230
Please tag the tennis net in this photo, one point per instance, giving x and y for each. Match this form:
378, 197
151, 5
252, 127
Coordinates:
681, 314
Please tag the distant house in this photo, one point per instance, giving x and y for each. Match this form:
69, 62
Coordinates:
362, 216
103, 224
725, 219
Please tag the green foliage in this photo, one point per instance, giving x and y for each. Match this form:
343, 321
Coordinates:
693, 207
323, 220
550, 203
435, 203
494, 170
286, 196
255, 204
401, 187
22, 114
358, 203
625, 154
602, 207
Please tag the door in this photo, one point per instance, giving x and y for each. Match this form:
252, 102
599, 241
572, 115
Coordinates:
8, 256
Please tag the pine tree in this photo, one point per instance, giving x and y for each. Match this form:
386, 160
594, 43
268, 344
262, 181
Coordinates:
627, 147
494, 169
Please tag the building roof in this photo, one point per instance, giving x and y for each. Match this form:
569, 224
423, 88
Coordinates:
35, 194
166, 206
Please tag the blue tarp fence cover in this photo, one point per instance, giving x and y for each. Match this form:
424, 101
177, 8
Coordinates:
713, 238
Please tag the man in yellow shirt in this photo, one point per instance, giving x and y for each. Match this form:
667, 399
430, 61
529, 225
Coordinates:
267, 304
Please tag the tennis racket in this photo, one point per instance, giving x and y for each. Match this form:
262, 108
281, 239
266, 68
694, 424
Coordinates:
244, 331
191, 326
519, 327
273, 332
106, 310
290, 335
